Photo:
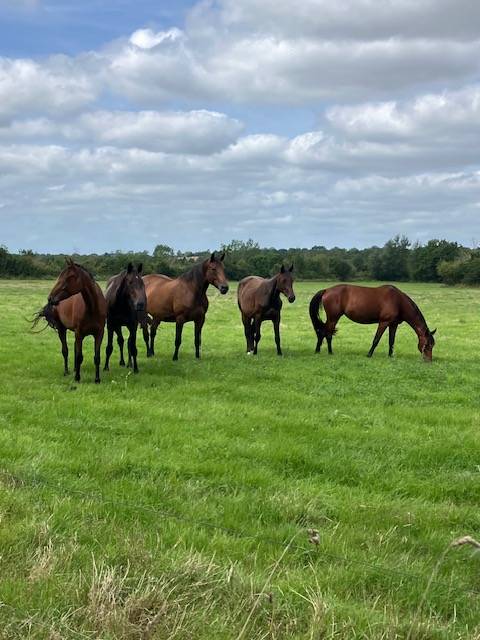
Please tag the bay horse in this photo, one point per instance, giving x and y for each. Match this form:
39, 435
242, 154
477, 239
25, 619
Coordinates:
182, 299
76, 303
259, 300
386, 305
126, 306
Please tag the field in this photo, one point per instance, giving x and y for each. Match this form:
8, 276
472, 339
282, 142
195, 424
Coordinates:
185, 502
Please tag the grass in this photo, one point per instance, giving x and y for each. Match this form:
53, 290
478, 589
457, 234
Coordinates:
177, 503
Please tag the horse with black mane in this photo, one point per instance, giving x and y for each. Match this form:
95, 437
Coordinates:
182, 299
259, 300
76, 303
386, 305
126, 306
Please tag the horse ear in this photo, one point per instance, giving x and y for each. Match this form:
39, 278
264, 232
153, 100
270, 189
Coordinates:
140, 267
69, 261
212, 257
129, 267
432, 333
282, 269
222, 257
291, 268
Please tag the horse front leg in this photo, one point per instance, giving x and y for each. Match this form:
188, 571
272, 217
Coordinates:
198, 335
380, 331
132, 346
121, 341
392, 330
257, 334
109, 347
178, 336
62, 334
78, 355
96, 358
276, 330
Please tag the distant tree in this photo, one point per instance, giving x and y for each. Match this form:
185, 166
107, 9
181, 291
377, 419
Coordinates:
341, 268
163, 250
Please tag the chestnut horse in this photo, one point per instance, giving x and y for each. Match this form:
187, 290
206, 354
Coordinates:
126, 306
182, 299
76, 302
386, 305
259, 300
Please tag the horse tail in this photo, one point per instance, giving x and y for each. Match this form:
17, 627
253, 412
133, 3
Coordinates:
47, 314
315, 304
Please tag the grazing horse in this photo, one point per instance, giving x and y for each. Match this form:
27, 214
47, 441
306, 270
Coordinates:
182, 299
386, 305
126, 306
258, 300
76, 302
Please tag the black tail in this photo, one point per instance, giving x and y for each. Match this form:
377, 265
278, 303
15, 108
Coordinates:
48, 315
315, 304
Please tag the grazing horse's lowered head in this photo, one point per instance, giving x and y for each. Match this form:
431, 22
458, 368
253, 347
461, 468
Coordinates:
70, 281
285, 283
426, 342
134, 291
215, 273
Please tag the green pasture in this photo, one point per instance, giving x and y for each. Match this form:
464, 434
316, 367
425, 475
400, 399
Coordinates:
178, 503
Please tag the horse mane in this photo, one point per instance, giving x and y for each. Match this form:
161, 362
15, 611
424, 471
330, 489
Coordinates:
87, 271
195, 274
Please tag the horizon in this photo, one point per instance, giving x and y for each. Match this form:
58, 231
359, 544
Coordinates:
126, 125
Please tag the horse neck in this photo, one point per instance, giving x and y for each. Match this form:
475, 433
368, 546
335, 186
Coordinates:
273, 292
89, 293
415, 318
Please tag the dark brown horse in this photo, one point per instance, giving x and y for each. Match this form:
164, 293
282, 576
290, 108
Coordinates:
386, 305
259, 300
182, 299
76, 302
126, 306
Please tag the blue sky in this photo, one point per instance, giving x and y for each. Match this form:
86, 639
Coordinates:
127, 124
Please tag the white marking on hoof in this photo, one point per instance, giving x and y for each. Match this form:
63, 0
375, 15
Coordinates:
249, 353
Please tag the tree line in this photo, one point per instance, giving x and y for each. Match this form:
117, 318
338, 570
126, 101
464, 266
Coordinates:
398, 260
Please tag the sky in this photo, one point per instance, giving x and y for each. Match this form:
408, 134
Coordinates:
126, 124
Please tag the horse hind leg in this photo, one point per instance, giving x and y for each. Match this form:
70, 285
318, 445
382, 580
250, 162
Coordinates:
329, 333
257, 335
109, 348
153, 332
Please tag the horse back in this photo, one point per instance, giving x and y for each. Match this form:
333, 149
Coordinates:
168, 298
251, 298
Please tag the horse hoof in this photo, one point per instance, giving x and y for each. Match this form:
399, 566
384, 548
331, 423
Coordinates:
122, 364
135, 371
97, 381
105, 368
249, 353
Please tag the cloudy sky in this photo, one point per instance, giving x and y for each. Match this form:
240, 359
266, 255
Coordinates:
127, 124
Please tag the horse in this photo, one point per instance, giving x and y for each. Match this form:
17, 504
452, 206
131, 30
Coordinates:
182, 299
126, 306
76, 302
386, 305
259, 300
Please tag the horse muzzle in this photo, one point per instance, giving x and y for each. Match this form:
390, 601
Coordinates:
291, 298
223, 289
